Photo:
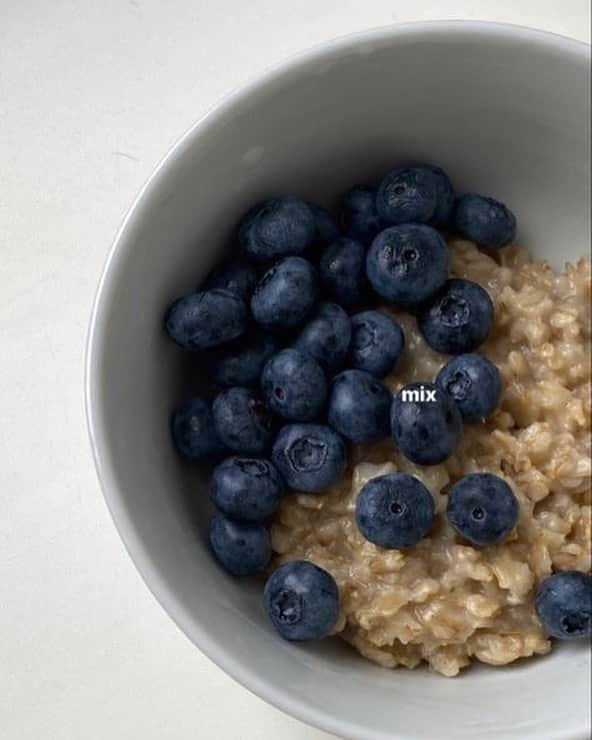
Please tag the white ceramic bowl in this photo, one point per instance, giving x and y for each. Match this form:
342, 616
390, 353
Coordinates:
506, 111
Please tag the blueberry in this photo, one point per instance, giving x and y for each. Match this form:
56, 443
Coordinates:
482, 508
407, 264
564, 605
326, 336
426, 424
237, 277
241, 362
242, 548
359, 217
243, 421
193, 430
414, 195
294, 385
326, 230
483, 220
309, 457
359, 406
285, 295
474, 383
458, 318
206, 319
246, 488
377, 343
444, 197
394, 511
277, 228
302, 601
342, 271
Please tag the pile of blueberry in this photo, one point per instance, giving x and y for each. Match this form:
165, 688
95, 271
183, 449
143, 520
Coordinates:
289, 332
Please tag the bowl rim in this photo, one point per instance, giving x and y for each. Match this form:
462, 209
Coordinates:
97, 331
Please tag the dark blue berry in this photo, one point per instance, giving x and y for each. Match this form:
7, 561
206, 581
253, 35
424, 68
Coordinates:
342, 271
426, 424
206, 319
326, 337
242, 548
394, 511
482, 508
326, 229
407, 264
237, 276
444, 197
377, 343
359, 217
294, 385
474, 383
285, 295
483, 220
414, 195
243, 421
359, 406
246, 488
193, 430
242, 361
458, 318
302, 601
564, 605
309, 457
277, 228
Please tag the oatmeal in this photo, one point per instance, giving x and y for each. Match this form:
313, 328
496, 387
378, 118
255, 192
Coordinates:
443, 601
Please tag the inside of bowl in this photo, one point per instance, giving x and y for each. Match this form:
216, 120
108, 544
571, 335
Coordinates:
505, 113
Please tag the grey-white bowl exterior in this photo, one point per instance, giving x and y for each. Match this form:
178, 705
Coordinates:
507, 111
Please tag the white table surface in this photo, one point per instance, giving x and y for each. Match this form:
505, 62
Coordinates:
92, 93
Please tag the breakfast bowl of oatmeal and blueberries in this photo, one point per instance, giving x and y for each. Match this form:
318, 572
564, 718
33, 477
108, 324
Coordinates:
396, 424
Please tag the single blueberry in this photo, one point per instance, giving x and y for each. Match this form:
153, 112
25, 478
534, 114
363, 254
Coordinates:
326, 336
484, 220
359, 406
458, 318
206, 319
342, 271
302, 601
194, 432
309, 457
237, 277
243, 421
409, 195
475, 384
426, 424
242, 361
285, 295
394, 511
277, 228
242, 548
294, 385
326, 229
246, 488
359, 217
482, 508
407, 264
564, 605
377, 343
